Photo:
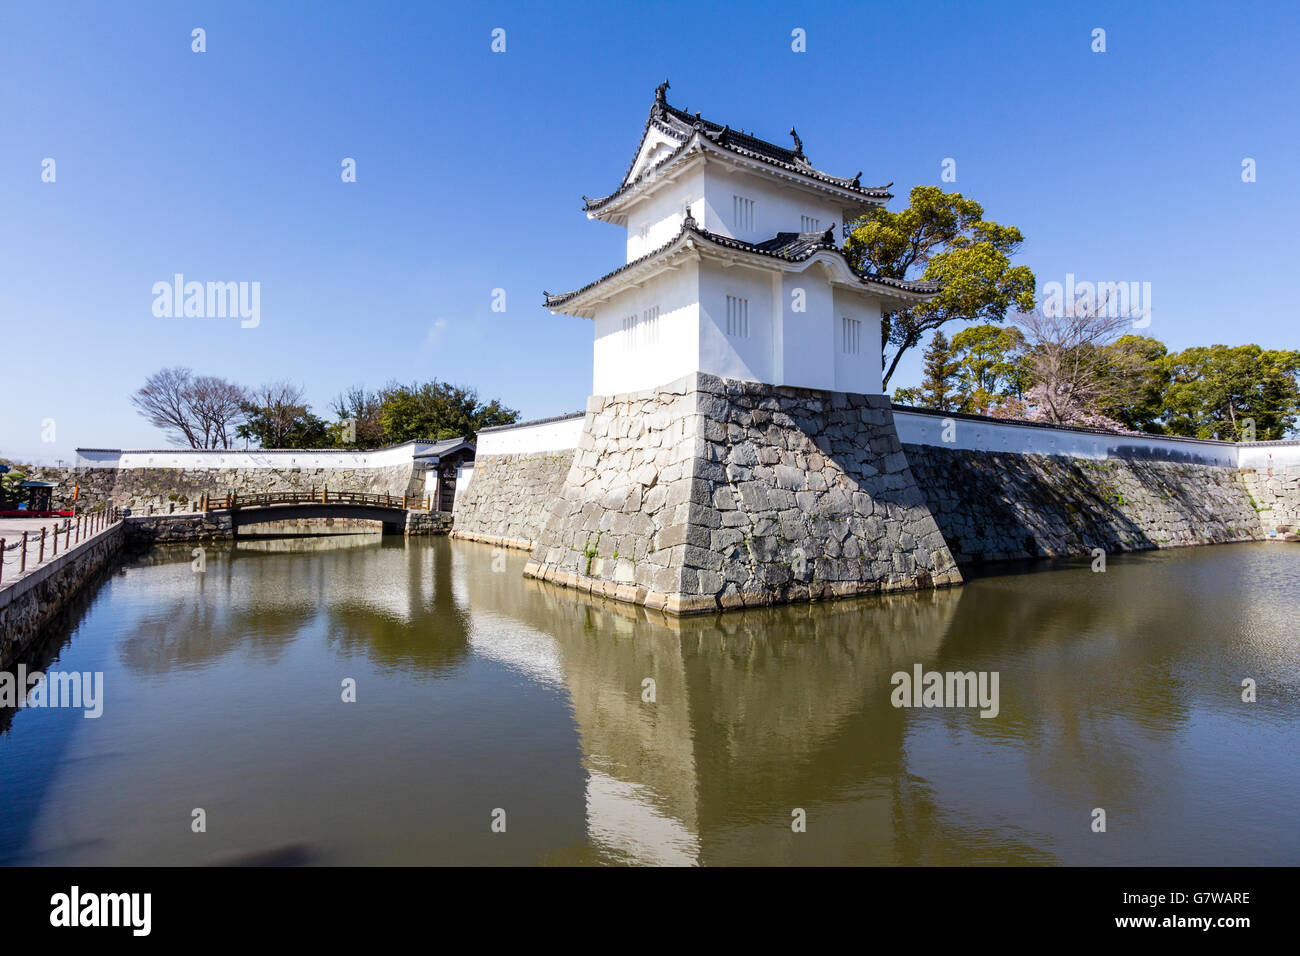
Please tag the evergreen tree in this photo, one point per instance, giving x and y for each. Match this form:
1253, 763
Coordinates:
937, 389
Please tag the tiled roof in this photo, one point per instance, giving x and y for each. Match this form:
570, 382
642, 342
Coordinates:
680, 126
535, 421
787, 246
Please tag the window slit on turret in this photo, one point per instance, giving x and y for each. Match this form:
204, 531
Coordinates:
737, 317
650, 322
742, 210
850, 335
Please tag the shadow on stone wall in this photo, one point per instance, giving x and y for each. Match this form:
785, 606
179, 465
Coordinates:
996, 506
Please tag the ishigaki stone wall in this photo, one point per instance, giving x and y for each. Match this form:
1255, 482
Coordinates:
29, 603
713, 493
504, 496
509, 496
171, 481
1275, 494
994, 506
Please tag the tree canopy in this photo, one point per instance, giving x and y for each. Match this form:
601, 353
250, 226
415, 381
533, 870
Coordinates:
1080, 371
210, 412
945, 237
439, 410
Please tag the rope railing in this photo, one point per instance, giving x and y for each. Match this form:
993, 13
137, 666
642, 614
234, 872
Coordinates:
30, 549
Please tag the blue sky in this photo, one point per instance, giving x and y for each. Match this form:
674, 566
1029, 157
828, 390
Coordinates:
225, 165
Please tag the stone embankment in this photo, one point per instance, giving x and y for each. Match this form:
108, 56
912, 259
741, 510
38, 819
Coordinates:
510, 496
31, 601
1275, 495
996, 506
715, 493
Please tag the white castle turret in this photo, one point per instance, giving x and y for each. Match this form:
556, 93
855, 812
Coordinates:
736, 448
733, 267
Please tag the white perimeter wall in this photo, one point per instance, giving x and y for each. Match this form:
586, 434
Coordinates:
554, 436
252, 459
559, 435
927, 428
1263, 455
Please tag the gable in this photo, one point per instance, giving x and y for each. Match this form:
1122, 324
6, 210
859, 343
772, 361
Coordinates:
655, 145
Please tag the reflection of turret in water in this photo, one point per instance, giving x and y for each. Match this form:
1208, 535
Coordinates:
754, 713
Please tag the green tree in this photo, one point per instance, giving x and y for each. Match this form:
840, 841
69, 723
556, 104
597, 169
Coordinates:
1134, 379
1214, 390
11, 491
990, 366
439, 410
276, 416
938, 386
359, 424
944, 237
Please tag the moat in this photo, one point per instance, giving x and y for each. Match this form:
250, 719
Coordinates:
478, 690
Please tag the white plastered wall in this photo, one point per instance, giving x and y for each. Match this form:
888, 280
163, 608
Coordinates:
623, 365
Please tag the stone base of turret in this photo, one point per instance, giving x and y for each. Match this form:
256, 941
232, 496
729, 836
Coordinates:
712, 493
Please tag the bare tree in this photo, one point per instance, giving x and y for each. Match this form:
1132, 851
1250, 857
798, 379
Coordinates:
280, 405
197, 411
163, 402
1072, 374
218, 407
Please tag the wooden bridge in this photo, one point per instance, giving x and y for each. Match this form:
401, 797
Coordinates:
246, 509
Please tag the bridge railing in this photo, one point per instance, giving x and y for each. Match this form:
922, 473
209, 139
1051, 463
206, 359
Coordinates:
321, 496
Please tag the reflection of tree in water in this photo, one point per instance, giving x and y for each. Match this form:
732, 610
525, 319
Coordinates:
386, 598
403, 612
254, 604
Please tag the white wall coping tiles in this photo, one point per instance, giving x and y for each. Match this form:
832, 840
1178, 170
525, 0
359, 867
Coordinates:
252, 459
555, 434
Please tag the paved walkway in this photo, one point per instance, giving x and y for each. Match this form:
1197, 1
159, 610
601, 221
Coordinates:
11, 530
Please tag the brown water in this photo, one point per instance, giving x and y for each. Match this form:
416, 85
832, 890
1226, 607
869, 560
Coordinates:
478, 690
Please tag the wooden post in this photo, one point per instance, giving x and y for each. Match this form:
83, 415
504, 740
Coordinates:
22, 564
2, 559
54, 538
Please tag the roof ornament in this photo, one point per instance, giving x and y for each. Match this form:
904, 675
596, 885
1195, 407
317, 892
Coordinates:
661, 99
857, 180
798, 143
828, 237
689, 221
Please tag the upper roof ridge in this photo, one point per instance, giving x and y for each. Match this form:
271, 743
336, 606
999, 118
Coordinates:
680, 125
